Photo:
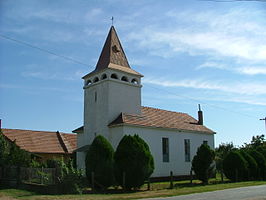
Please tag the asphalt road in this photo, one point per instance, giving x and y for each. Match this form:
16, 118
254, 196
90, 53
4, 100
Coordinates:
244, 193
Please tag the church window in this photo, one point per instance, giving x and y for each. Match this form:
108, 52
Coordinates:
124, 78
114, 76
104, 76
88, 82
187, 150
96, 79
134, 81
165, 148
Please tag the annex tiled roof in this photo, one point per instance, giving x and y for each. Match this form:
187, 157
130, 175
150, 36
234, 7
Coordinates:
42, 141
158, 118
113, 55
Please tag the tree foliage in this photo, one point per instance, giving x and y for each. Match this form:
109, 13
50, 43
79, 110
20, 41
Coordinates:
100, 161
221, 152
133, 159
202, 163
3, 150
235, 166
252, 166
70, 178
12, 154
261, 162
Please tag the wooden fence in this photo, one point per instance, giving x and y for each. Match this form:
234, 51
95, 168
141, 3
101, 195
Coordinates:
14, 176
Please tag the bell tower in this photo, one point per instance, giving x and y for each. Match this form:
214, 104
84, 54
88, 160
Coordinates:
113, 87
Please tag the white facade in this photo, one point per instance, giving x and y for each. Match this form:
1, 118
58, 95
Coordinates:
153, 136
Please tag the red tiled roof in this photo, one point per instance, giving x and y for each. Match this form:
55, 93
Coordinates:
42, 141
158, 118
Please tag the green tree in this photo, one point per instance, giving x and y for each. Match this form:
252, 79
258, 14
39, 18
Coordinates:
3, 149
12, 154
252, 165
202, 163
261, 162
100, 160
235, 166
258, 140
133, 160
69, 179
18, 156
221, 152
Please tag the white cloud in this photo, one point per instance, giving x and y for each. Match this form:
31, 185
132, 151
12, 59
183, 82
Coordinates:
247, 70
230, 34
252, 70
222, 86
54, 76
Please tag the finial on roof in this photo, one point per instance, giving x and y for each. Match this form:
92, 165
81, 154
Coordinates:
199, 108
112, 20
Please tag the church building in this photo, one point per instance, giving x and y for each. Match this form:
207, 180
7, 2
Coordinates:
112, 108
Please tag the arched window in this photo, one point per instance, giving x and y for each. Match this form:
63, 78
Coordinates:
104, 76
134, 81
88, 82
96, 79
124, 78
114, 76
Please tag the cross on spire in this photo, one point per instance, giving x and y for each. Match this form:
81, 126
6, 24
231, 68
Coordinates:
112, 20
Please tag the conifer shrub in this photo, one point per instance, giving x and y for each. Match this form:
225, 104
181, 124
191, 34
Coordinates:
235, 166
133, 162
252, 166
261, 162
262, 150
100, 161
203, 163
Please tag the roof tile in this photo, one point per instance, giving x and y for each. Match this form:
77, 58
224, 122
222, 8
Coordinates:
41, 141
153, 117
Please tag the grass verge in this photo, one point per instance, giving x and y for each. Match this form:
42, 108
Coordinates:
181, 188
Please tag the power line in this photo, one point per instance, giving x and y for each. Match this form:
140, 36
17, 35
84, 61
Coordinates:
84, 64
44, 50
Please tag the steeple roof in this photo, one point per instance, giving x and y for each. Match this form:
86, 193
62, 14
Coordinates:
113, 55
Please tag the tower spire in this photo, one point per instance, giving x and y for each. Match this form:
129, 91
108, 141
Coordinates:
112, 52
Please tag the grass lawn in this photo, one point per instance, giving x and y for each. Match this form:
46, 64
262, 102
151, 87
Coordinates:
157, 190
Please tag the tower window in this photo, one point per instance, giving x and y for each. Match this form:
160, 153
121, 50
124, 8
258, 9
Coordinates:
114, 76
96, 79
88, 82
124, 78
165, 148
104, 76
134, 81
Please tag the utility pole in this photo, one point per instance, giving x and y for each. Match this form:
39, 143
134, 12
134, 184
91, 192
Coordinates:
265, 122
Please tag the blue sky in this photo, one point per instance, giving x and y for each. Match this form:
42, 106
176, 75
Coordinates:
190, 52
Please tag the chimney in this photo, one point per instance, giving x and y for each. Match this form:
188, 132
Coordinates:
200, 116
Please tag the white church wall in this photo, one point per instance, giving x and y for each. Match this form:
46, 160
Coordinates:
153, 136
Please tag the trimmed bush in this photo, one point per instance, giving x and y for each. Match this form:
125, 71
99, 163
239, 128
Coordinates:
262, 150
235, 166
202, 163
252, 165
261, 162
100, 160
133, 159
